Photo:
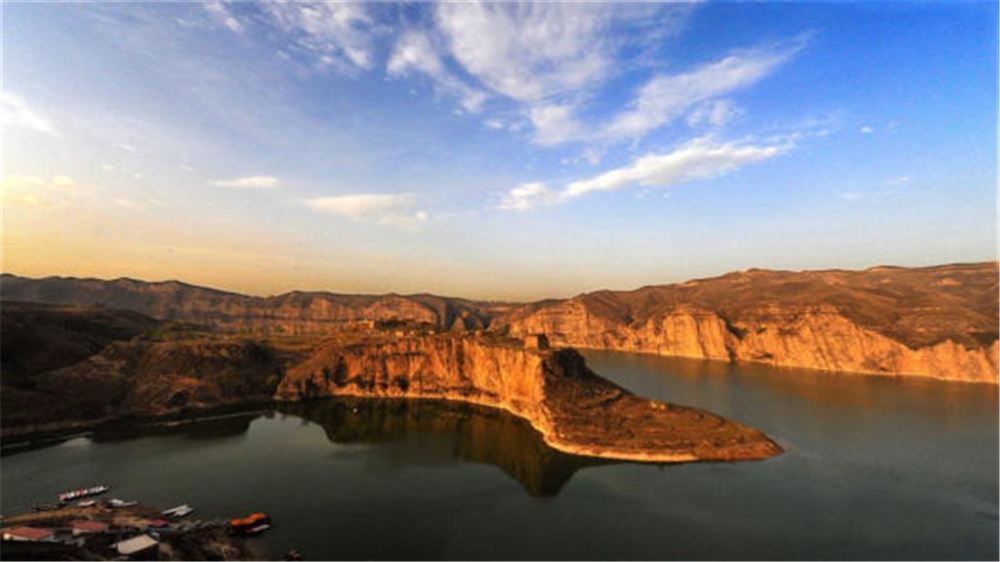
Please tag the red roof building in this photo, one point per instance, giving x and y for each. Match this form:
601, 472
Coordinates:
81, 527
27, 534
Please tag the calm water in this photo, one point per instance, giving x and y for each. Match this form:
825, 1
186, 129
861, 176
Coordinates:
875, 469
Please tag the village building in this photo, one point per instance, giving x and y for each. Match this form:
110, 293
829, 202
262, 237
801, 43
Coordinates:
30, 534
86, 527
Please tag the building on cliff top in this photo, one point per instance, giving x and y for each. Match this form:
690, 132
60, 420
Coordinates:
536, 341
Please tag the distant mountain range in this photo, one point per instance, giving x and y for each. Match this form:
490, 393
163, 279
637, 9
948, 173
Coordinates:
939, 321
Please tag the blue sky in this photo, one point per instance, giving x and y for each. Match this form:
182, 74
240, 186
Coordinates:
509, 151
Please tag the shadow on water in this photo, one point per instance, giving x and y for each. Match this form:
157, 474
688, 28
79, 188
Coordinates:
465, 432
442, 432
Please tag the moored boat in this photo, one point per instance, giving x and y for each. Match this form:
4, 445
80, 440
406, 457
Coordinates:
253, 524
83, 493
179, 511
115, 502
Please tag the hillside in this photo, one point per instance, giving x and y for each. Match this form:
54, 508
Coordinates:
939, 321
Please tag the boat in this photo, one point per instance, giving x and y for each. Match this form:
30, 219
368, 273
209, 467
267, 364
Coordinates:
179, 511
250, 524
82, 493
87, 503
254, 531
115, 502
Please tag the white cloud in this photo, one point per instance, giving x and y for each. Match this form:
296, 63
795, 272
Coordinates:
415, 52
337, 33
698, 159
528, 196
715, 114
665, 98
16, 112
248, 182
866, 130
220, 13
529, 52
383, 208
549, 57
897, 181
108, 167
554, 124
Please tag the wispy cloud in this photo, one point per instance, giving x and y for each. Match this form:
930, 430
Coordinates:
383, 208
897, 181
714, 114
220, 13
549, 57
665, 98
17, 112
414, 52
866, 130
338, 34
248, 182
698, 159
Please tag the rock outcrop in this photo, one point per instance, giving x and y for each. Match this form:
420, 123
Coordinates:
936, 322
574, 410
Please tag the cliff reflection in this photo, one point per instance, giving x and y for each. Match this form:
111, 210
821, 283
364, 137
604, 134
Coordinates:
469, 433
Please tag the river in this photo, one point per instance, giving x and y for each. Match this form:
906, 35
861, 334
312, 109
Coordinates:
875, 468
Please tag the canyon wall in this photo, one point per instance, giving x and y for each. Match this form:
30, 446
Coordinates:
574, 410
812, 337
939, 322
934, 322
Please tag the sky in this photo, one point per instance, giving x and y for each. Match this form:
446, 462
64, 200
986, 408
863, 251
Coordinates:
493, 151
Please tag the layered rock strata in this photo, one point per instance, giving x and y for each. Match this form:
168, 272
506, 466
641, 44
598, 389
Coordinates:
574, 410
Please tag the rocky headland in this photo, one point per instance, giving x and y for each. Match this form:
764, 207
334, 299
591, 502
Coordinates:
174, 371
573, 409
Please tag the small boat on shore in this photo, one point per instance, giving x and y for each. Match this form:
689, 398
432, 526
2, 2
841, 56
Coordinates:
179, 511
115, 502
83, 493
86, 503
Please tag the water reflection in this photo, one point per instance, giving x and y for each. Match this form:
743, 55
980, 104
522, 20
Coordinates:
430, 431
449, 430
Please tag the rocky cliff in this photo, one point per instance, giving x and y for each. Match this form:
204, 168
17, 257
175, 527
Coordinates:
936, 322
574, 410
939, 322
296, 312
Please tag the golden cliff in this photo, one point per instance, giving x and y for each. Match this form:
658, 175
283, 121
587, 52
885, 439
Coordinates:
574, 410
935, 322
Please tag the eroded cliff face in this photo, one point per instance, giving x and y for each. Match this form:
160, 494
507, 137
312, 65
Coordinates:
574, 410
810, 337
938, 322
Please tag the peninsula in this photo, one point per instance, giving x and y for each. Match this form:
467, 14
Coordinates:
144, 368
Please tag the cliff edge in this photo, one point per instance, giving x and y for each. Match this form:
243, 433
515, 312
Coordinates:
574, 410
